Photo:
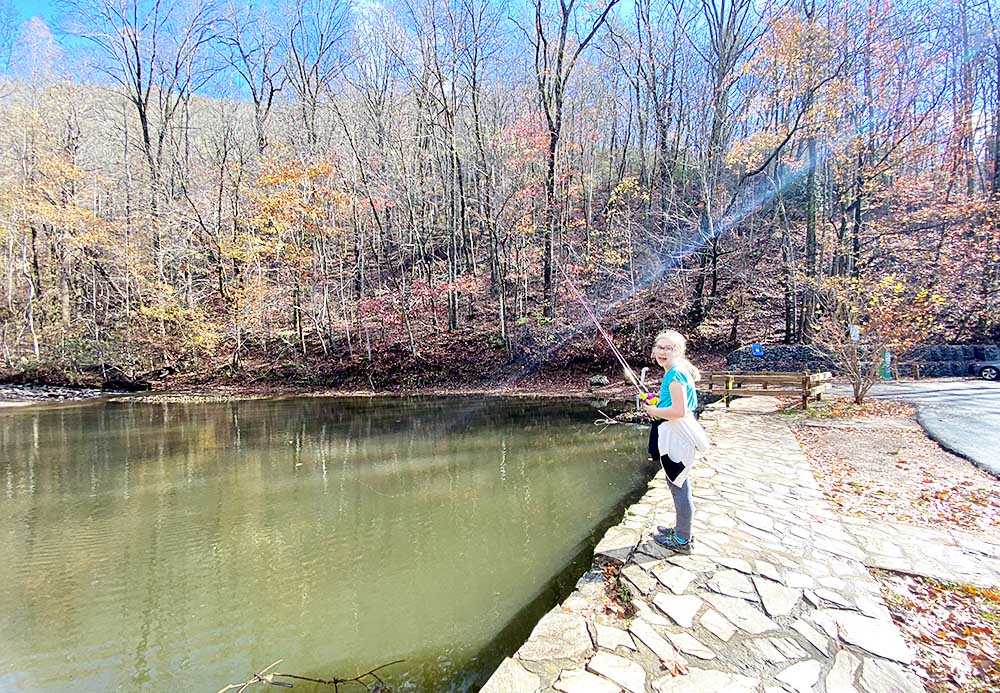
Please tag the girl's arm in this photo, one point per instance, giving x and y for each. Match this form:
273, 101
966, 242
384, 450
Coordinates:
678, 404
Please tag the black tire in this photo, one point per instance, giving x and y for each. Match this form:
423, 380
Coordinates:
989, 373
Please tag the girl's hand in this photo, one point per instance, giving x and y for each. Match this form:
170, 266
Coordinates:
650, 410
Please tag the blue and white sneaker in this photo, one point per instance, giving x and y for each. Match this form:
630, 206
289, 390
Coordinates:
673, 542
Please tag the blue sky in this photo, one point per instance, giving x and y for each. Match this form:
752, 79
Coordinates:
46, 9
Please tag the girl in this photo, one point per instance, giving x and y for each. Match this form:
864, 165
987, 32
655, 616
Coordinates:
676, 436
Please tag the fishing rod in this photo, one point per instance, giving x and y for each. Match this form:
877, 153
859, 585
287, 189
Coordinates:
630, 375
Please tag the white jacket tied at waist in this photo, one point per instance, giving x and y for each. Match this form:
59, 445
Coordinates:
682, 439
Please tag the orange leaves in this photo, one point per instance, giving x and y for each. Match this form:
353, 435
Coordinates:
618, 596
281, 172
862, 471
991, 594
674, 667
297, 196
951, 628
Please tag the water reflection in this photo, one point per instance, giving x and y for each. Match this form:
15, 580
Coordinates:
180, 547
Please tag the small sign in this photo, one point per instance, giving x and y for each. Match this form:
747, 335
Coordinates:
855, 333
885, 368
756, 349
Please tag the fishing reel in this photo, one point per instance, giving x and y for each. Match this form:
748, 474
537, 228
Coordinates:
638, 382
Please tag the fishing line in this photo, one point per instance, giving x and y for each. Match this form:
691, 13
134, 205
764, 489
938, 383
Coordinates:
630, 374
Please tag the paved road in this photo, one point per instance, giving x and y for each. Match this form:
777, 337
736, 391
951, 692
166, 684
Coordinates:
962, 415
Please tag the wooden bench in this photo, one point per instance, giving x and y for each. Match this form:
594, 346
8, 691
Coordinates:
805, 385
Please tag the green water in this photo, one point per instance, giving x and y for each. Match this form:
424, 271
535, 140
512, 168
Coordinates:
180, 547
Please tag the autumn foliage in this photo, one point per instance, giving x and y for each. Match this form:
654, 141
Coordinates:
313, 196
861, 320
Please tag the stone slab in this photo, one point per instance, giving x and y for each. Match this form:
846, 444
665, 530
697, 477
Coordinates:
617, 544
619, 670
717, 625
642, 580
582, 681
742, 614
841, 676
611, 638
815, 638
778, 600
557, 636
872, 635
706, 681
646, 634
734, 584
878, 676
674, 577
688, 644
511, 676
801, 677
681, 608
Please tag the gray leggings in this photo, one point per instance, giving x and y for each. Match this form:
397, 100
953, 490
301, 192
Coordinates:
684, 506
683, 502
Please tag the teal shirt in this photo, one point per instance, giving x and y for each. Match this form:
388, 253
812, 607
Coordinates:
684, 379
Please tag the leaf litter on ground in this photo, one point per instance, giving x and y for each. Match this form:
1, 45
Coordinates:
954, 630
896, 473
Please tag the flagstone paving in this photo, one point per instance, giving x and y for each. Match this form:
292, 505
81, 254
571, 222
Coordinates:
774, 597
950, 555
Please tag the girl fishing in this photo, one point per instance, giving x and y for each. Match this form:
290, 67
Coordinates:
676, 436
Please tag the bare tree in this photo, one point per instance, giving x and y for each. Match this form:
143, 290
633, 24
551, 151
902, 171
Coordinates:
316, 31
253, 49
557, 43
8, 32
155, 53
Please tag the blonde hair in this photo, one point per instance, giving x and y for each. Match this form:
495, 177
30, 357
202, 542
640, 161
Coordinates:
681, 362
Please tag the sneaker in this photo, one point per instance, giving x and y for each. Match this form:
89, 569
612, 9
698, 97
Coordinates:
671, 542
669, 531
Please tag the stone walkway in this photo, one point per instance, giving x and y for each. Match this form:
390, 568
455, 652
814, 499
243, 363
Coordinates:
775, 596
947, 555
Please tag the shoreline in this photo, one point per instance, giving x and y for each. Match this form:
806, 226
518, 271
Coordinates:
771, 594
27, 395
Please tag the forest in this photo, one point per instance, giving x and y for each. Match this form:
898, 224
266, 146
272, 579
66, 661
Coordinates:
415, 190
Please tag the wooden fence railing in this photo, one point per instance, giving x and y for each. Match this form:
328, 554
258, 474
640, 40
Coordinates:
805, 385
914, 364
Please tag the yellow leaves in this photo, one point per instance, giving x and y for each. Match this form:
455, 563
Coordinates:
889, 312
295, 197
93, 235
614, 258
628, 189
749, 152
526, 226
192, 329
276, 173
319, 170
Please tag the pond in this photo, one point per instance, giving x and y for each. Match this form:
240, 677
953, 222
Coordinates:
166, 546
